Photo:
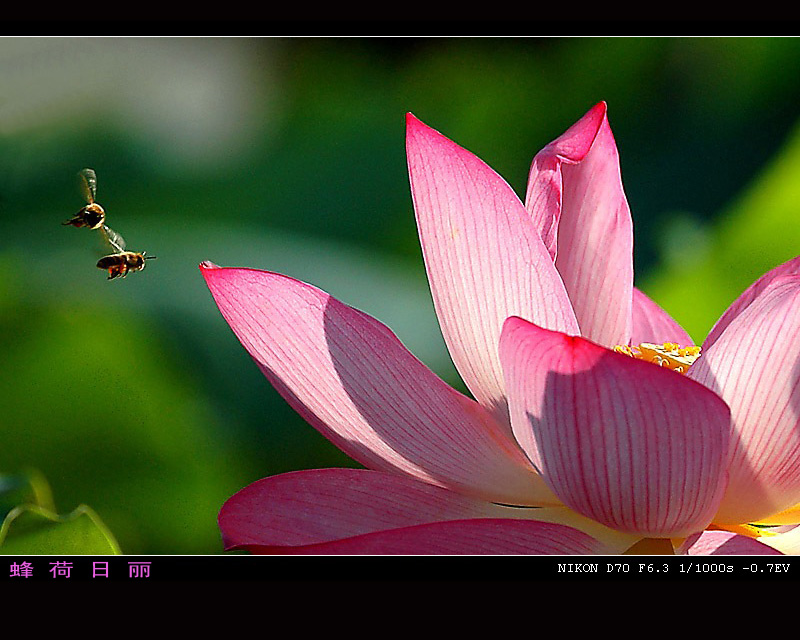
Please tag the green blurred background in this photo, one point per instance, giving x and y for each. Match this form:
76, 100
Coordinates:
287, 154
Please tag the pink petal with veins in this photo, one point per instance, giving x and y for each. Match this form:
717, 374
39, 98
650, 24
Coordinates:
484, 258
576, 200
350, 377
754, 365
634, 446
321, 505
459, 537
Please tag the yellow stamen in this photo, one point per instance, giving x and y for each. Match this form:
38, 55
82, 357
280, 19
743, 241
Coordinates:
669, 354
749, 530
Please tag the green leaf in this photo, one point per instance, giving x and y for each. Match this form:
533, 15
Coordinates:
30, 529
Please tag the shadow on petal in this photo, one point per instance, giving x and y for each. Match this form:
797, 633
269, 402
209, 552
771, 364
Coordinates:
453, 439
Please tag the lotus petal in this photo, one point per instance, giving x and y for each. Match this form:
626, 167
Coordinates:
634, 446
461, 537
715, 543
484, 258
350, 377
754, 365
576, 200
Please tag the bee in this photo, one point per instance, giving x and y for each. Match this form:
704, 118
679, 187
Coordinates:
122, 261
92, 215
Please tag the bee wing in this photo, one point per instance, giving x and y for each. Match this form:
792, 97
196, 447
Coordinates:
88, 184
113, 238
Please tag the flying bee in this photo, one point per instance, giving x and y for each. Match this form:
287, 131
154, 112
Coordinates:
92, 215
120, 264
122, 261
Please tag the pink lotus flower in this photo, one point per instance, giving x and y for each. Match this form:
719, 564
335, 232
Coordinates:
570, 445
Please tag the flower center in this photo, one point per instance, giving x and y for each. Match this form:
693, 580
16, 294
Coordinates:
669, 354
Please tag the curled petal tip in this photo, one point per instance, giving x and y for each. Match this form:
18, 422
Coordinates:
576, 142
596, 114
207, 264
